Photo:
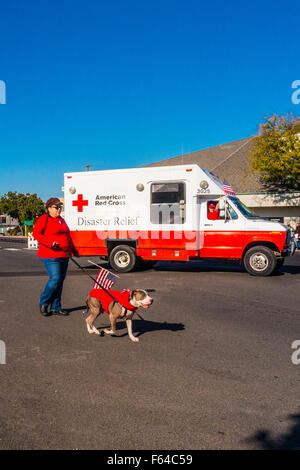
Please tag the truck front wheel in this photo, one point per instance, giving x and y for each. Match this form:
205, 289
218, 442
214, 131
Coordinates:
260, 261
122, 258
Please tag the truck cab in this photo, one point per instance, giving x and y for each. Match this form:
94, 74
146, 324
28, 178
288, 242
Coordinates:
238, 233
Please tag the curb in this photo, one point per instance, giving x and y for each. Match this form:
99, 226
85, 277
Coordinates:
13, 239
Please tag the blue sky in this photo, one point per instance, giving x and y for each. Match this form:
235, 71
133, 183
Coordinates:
124, 83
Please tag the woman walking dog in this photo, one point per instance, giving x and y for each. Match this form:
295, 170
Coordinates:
53, 234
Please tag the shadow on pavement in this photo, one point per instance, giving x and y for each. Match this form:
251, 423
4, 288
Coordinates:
200, 266
290, 440
292, 269
75, 309
142, 326
218, 266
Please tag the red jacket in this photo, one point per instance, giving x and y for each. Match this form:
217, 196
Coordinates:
213, 215
121, 296
47, 230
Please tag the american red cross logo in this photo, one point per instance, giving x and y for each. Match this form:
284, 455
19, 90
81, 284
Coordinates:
80, 203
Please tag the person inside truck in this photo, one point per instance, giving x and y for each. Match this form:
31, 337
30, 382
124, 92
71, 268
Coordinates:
213, 212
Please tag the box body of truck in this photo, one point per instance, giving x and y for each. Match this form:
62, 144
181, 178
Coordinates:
161, 213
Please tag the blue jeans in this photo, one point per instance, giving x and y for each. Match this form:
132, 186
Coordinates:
57, 270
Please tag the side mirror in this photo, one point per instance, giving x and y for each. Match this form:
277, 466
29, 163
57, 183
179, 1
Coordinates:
222, 203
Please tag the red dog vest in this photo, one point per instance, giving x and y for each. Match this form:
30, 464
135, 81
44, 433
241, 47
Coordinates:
121, 296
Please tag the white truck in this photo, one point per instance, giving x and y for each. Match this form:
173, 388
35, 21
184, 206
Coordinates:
143, 215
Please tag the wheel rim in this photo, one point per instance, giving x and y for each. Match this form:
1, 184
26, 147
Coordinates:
259, 262
122, 259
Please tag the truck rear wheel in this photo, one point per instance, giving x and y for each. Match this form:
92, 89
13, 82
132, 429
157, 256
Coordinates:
122, 258
260, 261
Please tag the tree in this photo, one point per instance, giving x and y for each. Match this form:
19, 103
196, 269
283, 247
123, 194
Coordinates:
276, 153
22, 206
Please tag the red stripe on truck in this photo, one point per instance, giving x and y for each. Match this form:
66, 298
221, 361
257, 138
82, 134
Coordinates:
180, 245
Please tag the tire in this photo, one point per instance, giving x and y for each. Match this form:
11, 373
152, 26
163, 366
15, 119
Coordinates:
260, 261
122, 258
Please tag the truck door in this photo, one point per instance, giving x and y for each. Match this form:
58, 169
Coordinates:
222, 231
171, 220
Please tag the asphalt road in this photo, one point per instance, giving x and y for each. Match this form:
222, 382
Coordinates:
212, 369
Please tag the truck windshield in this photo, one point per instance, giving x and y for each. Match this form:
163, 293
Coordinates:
243, 209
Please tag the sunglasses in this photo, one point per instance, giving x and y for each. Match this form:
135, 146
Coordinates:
56, 207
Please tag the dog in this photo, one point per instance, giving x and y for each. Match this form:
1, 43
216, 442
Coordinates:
127, 302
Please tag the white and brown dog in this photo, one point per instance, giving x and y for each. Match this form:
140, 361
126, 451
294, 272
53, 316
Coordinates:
127, 302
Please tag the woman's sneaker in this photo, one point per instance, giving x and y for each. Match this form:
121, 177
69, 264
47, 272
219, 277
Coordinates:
60, 312
44, 310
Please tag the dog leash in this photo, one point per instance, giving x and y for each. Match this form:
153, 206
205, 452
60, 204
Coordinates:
79, 266
91, 277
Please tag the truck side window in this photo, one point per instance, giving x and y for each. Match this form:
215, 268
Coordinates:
213, 212
167, 203
232, 213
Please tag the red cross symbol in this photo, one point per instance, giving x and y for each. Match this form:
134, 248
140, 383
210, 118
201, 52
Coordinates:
80, 203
